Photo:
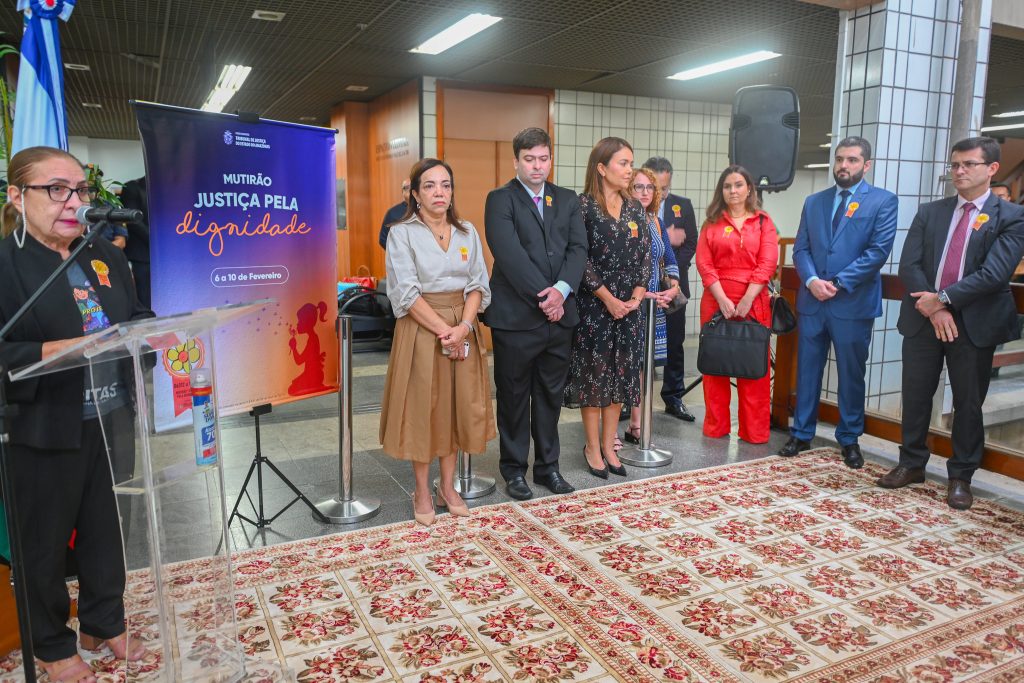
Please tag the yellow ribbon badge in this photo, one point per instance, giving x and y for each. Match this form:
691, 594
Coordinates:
981, 220
677, 210
728, 230
632, 228
102, 271
464, 252
852, 209
547, 200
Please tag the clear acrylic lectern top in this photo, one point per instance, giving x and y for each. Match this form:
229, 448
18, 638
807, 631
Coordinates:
180, 597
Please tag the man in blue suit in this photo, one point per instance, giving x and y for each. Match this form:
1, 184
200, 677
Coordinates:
845, 236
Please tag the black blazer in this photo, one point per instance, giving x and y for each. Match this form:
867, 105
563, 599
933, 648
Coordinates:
983, 295
393, 215
135, 196
530, 255
50, 407
687, 221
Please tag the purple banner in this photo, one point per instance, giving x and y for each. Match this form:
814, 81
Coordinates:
237, 212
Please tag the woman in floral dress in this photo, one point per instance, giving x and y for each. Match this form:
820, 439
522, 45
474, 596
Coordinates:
604, 368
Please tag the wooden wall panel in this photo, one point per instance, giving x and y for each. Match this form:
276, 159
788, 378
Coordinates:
351, 119
378, 142
393, 147
491, 115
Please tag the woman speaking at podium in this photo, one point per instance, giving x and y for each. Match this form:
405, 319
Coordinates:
59, 469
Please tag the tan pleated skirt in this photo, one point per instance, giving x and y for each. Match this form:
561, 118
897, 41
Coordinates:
433, 406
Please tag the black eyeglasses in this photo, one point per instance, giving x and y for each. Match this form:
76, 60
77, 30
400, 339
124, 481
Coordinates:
62, 193
966, 165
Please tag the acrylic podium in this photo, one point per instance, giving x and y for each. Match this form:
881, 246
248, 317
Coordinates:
180, 597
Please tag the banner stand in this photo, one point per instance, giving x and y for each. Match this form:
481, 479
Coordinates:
258, 460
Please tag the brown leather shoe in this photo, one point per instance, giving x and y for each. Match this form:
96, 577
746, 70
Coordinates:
958, 494
901, 476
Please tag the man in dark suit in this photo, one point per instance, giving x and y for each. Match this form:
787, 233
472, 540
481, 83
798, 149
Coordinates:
845, 237
134, 196
393, 215
536, 234
957, 261
676, 214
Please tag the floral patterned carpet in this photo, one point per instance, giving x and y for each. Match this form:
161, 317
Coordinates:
767, 570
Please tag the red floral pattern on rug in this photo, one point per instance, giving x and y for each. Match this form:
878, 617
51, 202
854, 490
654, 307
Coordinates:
515, 622
768, 570
406, 608
836, 631
562, 659
715, 618
777, 600
772, 656
342, 664
428, 646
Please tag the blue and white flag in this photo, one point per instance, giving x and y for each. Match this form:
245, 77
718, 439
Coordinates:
40, 117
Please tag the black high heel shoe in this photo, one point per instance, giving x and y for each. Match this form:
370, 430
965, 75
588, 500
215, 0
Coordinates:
629, 437
599, 473
620, 470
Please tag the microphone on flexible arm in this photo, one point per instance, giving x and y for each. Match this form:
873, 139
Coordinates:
90, 215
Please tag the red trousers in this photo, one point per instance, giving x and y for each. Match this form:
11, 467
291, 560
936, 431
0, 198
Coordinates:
754, 394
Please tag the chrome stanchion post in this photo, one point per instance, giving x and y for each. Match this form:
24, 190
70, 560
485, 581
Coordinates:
467, 484
346, 508
646, 455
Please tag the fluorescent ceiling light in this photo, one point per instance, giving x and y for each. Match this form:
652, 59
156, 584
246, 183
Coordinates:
817, 165
1008, 114
725, 65
827, 145
76, 67
456, 33
1010, 126
267, 15
230, 82
92, 105
357, 88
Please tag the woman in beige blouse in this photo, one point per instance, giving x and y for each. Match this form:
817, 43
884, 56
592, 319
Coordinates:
437, 396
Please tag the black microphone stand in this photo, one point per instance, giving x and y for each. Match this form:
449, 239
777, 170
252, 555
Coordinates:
6, 414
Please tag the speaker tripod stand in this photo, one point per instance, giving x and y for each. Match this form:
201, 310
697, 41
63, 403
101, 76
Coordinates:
258, 461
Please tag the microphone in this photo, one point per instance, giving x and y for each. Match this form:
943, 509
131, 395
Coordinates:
88, 215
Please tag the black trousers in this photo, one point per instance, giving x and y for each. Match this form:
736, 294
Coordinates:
140, 272
58, 491
969, 369
530, 369
673, 383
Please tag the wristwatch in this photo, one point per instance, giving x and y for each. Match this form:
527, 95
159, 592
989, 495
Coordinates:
944, 298
835, 282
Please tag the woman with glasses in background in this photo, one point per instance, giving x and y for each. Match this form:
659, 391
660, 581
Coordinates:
664, 269
58, 464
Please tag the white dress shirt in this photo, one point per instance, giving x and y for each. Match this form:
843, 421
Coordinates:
416, 264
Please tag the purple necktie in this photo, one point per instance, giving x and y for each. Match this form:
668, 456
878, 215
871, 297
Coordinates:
536, 200
955, 253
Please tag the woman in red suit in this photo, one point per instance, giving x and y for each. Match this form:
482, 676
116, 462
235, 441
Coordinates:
737, 253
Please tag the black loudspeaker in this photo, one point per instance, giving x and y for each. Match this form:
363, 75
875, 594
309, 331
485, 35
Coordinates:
765, 134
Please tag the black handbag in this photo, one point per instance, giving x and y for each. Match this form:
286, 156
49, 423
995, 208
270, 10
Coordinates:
783, 318
733, 348
679, 300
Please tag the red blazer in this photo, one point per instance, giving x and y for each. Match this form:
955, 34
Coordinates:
746, 253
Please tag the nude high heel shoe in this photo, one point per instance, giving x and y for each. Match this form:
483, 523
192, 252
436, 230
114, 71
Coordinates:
460, 510
424, 518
